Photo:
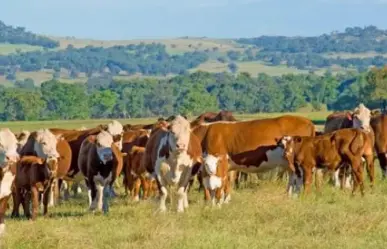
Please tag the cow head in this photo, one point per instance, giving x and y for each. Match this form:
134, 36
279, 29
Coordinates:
287, 143
104, 141
361, 117
116, 129
45, 147
179, 133
8, 150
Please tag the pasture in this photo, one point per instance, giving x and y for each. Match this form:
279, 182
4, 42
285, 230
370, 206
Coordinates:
260, 215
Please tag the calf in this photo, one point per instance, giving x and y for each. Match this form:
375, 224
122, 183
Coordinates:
8, 159
215, 178
100, 161
34, 175
137, 175
329, 151
169, 155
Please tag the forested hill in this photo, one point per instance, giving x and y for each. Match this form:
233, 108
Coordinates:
19, 35
25, 55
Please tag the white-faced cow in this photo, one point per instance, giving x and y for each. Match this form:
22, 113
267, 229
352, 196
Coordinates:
100, 162
8, 160
170, 154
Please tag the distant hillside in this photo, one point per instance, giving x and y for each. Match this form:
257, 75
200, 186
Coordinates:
19, 35
26, 55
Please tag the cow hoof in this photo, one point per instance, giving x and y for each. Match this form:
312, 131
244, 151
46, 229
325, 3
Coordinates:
227, 199
219, 205
180, 210
2, 229
136, 199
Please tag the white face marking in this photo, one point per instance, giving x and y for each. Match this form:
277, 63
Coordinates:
104, 141
211, 164
45, 144
8, 147
179, 134
362, 117
116, 128
6, 184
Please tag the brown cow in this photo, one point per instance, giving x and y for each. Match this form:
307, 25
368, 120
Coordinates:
34, 175
137, 175
331, 150
8, 159
210, 117
251, 145
100, 162
169, 155
359, 118
379, 126
130, 139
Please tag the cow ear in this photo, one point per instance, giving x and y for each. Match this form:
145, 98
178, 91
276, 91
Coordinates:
59, 137
199, 160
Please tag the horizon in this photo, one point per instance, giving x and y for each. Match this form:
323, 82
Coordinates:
217, 19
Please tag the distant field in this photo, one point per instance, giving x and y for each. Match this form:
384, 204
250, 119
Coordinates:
17, 126
6, 48
353, 55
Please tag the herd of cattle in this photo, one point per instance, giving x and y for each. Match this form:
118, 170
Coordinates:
215, 148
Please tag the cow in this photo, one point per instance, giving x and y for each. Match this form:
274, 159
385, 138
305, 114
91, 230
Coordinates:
136, 174
169, 156
359, 118
251, 146
75, 139
305, 154
8, 160
22, 138
100, 161
379, 126
52, 148
130, 139
209, 117
34, 176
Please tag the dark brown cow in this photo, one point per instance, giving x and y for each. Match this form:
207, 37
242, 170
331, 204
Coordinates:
331, 150
251, 145
137, 175
379, 126
34, 175
100, 162
210, 117
169, 155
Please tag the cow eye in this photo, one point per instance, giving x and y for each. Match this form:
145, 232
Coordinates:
44, 143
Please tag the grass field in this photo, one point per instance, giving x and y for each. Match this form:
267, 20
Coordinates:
260, 215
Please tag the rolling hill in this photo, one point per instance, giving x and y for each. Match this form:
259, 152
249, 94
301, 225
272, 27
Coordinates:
26, 55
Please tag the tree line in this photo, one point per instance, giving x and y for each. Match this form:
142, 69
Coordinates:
190, 94
147, 59
19, 35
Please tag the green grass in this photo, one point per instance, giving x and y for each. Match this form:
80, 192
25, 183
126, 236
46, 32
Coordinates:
6, 48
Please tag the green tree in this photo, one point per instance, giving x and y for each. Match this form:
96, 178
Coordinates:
102, 103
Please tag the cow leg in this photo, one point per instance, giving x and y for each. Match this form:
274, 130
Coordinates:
357, 173
370, 168
51, 193
146, 184
3, 208
106, 192
318, 179
227, 191
93, 195
218, 196
17, 199
163, 198
383, 164
26, 202
66, 191
136, 190
180, 199
308, 176
35, 202
185, 200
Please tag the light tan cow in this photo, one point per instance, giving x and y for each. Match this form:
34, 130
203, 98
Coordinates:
8, 159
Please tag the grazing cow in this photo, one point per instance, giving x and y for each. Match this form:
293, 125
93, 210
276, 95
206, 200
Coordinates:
359, 118
251, 146
137, 175
8, 159
34, 175
100, 161
331, 150
160, 123
169, 155
210, 117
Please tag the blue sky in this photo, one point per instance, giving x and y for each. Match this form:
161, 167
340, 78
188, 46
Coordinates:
128, 19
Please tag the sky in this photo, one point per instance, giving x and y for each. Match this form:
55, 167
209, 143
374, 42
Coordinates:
136, 19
